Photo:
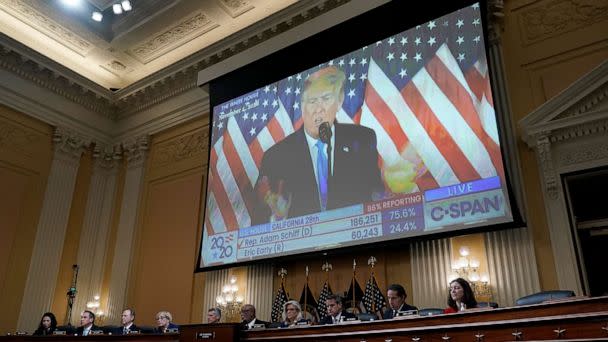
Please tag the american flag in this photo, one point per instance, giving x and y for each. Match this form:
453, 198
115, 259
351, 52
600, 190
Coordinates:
373, 299
425, 92
321, 306
277, 306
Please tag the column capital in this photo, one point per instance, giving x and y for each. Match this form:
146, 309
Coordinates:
106, 157
136, 150
496, 21
68, 144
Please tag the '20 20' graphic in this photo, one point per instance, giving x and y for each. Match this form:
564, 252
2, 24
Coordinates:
222, 246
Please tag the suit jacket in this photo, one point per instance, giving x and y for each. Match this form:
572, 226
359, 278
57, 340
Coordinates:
328, 320
388, 314
80, 329
245, 326
119, 330
355, 178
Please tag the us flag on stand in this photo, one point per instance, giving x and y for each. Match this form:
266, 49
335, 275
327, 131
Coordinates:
321, 306
277, 306
425, 92
373, 299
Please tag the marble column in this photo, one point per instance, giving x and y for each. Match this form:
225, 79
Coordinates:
136, 152
95, 230
51, 229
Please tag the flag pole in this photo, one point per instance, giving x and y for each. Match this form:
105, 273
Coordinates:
282, 274
306, 292
372, 262
353, 283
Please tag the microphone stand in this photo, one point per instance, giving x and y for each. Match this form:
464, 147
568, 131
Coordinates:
72, 294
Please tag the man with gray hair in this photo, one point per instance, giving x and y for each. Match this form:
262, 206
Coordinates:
214, 315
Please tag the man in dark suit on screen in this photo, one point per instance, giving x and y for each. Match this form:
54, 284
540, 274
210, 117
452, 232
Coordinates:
324, 165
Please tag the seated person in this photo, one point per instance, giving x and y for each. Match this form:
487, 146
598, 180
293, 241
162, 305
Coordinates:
127, 320
249, 319
335, 314
396, 299
292, 314
87, 323
460, 297
48, 324
214, 315
164, 322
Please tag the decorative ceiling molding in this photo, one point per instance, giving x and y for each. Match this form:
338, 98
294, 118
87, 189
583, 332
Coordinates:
57, 82
150, 91
234, 8
29, 13
117, 68
136, 97
552, 18
176, 36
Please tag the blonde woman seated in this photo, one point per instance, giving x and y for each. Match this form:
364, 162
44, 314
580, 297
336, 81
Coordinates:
164, 322
292, 314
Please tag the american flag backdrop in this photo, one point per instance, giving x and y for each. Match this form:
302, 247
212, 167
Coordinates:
277, 305
425, 92
373, 299
321, 305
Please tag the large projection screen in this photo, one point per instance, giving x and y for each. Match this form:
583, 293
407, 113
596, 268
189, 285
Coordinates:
396, 139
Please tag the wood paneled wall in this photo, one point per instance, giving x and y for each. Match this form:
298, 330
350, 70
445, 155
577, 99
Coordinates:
25, 159
168, 236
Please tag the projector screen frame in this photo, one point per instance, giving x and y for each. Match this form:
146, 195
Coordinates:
257, 72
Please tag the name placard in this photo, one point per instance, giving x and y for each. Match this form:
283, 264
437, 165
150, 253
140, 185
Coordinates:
205, 335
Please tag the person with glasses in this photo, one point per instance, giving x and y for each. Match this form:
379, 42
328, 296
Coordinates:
249, 318
164, 323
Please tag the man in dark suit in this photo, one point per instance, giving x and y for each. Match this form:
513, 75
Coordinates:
396, 299
87, 323
128, 326
335, 314
308, 172
249, 319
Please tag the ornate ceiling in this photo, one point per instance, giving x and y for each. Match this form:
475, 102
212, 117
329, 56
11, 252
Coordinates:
125, 48
139, 73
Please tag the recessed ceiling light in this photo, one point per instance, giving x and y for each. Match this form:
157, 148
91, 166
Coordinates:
126, 5
97, 16
117, 8
71, 2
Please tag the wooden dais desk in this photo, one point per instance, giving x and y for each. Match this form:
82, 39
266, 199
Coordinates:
580, 318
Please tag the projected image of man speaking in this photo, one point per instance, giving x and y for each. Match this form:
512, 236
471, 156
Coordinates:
323, 165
